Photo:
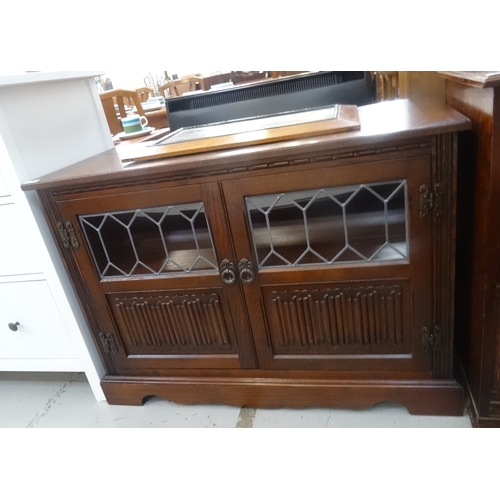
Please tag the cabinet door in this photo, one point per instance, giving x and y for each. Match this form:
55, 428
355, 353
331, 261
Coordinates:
151, 261
336, 265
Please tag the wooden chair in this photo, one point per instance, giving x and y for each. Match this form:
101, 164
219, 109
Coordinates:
391, 85
121, 98
145, 93
176, 88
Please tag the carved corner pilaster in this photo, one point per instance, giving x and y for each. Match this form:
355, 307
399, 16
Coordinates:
443, 174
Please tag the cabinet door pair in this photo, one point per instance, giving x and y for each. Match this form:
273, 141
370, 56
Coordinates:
327, 269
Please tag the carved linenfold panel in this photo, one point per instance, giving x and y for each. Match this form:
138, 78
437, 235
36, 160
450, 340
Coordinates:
346, 319
172, 323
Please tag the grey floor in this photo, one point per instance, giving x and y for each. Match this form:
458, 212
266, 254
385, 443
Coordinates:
65, 400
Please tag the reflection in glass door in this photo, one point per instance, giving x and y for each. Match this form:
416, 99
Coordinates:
153, 241
357, 223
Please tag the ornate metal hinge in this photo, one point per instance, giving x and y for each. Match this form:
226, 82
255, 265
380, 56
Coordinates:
108, 342
67, 235
431, 339
430, 200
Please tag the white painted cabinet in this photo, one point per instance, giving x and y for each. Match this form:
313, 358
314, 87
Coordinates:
33, 334
47, 121
33, 327
17, 254
3, 187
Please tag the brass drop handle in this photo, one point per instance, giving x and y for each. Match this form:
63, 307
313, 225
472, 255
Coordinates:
227, 272
247, 273
13, 326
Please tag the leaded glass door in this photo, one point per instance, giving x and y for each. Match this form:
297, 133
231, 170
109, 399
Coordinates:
152, 262
336, 265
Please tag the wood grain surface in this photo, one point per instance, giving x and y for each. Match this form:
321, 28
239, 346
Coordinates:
346, 120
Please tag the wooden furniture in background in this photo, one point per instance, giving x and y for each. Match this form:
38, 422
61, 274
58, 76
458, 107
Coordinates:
389, 85
279, 74
477, 95
176, 88
120, 98
145, 93
158, 118
350, 302
408, 84
236, 77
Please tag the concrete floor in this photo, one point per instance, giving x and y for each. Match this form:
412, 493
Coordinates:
65, 400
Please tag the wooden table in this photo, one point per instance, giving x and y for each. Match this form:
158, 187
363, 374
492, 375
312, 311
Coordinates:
158, 118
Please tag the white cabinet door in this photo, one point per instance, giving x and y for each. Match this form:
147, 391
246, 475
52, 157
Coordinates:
17, 255
40, 332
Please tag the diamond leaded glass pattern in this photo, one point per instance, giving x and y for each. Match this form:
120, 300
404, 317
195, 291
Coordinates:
357, 223
152, 241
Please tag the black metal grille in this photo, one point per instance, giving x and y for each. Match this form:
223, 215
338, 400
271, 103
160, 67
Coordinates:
270, 97
269, 89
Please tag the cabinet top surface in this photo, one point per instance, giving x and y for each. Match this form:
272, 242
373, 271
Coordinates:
381, 123
44, 77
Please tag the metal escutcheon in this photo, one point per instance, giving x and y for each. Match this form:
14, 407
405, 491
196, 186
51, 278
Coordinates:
227, 272
247, 274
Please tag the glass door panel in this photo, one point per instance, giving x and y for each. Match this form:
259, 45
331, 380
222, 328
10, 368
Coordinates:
151, 241
357, 223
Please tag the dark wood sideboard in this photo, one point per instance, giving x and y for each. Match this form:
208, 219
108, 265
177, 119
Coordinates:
310, 272
477, 95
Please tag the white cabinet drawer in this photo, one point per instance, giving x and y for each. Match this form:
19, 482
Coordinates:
17, 255
3, 187
41, 332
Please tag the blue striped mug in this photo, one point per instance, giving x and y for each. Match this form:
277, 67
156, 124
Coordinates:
134, 123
